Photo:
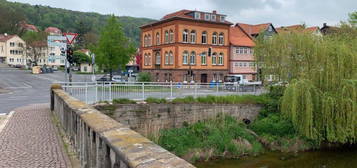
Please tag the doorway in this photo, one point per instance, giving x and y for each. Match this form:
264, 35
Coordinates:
203, 78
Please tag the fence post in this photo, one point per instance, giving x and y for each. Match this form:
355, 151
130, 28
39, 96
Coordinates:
171, 96
217, 84
86, 93
143, 90
96, 92
110, 91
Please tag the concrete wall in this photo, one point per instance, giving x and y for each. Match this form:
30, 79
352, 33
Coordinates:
148, 119
102, 142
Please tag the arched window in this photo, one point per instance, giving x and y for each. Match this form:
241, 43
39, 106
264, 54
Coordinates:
214, 38
221, 39
193, 36
166, 37
193, 58
171, 36
171, 58
185, 58
149, 59
157, 39
204, 58
145, 40
220, 59
157, 58
204, 37
185, 36
166, 58
145, 59
214, 59
149, 40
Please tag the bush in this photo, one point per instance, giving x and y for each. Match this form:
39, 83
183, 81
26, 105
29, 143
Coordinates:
232, 99
155, 100
275, 125
123, 101
220, 135
144, 77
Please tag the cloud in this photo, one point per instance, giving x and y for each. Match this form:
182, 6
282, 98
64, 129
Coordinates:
278, 12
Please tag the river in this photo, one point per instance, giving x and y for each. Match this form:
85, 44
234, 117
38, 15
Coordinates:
328, 158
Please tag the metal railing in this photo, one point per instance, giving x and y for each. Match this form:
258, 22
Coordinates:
93, 92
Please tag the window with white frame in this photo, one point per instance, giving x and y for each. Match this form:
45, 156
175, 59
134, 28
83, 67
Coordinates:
185, 36
185, 58
193, 58
204, 37
197, 15
222, 18
145, 40
157, 38
171, 36
221, 39
193, 36
149, 40
214, 38
207, 16
149, 59
157, 58
12, 44
220, 59
213, 18
166, 58
171, 58
166, 36
214, 59
204, 58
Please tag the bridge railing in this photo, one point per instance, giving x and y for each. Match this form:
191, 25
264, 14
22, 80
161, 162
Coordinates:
107, 91
101, 142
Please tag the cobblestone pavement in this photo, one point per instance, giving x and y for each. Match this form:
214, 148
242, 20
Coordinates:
30, 139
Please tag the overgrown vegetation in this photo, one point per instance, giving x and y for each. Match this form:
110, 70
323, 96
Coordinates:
144, 77
123, 101
321, 98
231, 99
222, 137
155, 100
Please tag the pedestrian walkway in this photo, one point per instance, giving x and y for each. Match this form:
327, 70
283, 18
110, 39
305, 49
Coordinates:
31, 140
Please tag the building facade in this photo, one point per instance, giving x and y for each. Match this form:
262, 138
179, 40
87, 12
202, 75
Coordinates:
12, 50
242, 60
186, 46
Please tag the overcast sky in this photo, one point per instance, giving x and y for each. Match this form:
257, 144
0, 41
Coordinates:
278, 12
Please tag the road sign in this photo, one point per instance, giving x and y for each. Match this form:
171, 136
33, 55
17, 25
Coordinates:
70, 37
57, 41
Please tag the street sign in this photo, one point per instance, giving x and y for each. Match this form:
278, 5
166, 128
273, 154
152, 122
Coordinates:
57, 41
70, 37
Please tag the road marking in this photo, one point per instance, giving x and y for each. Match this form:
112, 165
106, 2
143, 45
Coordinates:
3, 124
26, 86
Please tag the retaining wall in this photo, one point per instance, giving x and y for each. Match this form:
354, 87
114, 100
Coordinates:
148, 119
102, 142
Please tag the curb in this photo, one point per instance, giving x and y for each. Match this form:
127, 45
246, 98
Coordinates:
3, 124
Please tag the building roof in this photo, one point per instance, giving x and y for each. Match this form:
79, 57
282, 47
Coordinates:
312, 29
29, 27
253, 29
297, 28
4, 37
187, 15
238, 37
54, 30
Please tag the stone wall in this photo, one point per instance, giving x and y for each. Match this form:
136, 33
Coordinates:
102, 142
148, 119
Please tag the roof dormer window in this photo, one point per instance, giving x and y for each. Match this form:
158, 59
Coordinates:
207, 16
223, 19
197, 15
213, 18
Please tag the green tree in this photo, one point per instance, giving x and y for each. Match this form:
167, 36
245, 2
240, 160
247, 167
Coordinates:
10, 20
144, 77
36, 42
80, 57
353, 18
321, 97
114, 50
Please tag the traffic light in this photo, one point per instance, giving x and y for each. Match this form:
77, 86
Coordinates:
209, 51
70, 55
63, 52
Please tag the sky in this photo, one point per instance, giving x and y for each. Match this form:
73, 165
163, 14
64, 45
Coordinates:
278, 12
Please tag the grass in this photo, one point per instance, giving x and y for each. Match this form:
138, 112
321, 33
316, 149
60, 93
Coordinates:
231, 99
123, 101
155, 100
89, 73
222, 136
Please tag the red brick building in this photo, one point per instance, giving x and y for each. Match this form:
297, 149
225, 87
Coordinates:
186, 46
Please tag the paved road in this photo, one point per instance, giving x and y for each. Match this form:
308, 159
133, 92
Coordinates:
30, 139
26, 88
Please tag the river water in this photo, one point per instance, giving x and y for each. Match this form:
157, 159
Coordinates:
328, 158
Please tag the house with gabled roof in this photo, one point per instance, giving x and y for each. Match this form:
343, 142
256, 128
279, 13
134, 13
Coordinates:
299, 29
12, 50
267, 29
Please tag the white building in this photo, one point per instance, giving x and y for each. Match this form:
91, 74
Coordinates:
12, 50
56, 44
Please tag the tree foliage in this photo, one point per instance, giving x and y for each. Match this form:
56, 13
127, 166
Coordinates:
9, 20
35, 43
353, 18
114, 50
66, 20
80, 57
321, 97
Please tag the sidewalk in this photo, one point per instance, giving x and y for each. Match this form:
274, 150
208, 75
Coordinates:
31, 140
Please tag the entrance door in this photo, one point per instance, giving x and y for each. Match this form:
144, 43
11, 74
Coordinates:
203, 78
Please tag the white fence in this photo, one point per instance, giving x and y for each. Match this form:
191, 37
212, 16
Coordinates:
107, 91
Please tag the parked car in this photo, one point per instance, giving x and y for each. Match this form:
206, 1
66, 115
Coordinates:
118, 79
104, 78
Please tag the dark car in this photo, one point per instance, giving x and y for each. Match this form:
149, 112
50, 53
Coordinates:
105, 78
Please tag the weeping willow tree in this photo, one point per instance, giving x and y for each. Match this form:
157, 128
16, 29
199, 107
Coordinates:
321, 72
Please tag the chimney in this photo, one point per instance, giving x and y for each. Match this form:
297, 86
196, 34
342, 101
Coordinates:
325, 25
214, 12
